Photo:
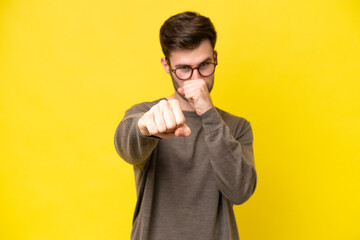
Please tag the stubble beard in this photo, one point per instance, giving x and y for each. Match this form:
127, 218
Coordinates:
176, 87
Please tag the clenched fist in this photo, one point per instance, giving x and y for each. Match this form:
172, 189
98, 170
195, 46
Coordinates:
197, 94
164, 120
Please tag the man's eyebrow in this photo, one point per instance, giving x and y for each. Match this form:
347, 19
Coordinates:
186, 65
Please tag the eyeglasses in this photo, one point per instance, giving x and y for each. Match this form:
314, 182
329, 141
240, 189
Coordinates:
185, 72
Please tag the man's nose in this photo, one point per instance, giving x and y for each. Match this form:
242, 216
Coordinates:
195, 75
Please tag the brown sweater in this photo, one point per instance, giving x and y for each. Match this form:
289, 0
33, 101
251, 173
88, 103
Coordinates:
186, 186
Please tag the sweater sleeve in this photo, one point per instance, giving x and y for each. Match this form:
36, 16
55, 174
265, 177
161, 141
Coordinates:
130, 144
233, 158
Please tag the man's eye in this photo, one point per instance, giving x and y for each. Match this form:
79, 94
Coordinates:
184, 69
205, 64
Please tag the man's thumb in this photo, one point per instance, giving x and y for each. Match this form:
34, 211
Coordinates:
183, 131
181, 91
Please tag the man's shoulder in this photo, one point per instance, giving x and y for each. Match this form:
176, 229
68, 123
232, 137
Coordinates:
228, 117
239, 126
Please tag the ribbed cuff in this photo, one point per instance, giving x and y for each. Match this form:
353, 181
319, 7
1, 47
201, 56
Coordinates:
211, 119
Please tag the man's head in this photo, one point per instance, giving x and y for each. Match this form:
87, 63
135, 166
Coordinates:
188, 39
186, 31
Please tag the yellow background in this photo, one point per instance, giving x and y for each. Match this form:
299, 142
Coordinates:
69, 70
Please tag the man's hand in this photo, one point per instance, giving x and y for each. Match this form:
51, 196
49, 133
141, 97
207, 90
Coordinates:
164, 120
197, 94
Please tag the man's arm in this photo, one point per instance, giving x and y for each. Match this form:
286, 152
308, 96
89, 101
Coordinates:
130, 144
138, 133
233, 158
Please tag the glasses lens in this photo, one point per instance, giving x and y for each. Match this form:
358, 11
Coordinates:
183, 72
206, 69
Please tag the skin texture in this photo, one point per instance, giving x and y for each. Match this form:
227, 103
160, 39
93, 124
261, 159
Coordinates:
166, 119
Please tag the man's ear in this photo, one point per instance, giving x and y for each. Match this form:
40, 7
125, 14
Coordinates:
215, 56
165, 65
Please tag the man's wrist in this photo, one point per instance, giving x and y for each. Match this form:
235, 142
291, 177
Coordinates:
206, 110
211, 118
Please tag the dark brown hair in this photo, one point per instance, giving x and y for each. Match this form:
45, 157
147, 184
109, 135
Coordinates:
186, 31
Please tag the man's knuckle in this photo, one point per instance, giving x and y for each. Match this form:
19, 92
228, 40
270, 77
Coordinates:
173, 101
171, 125
156, 108
154, 132
148, 117
162, 103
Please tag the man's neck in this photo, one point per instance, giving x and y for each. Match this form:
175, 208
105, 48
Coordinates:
185, 105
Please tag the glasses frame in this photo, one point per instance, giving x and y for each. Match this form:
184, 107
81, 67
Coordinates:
192, 70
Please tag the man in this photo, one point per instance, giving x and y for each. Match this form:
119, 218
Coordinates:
192, 161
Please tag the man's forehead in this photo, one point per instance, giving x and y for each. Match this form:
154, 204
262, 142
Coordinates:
192, 56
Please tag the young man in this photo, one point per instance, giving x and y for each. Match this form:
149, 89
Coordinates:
192, 161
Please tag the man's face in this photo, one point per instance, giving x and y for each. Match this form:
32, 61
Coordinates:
194, 57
